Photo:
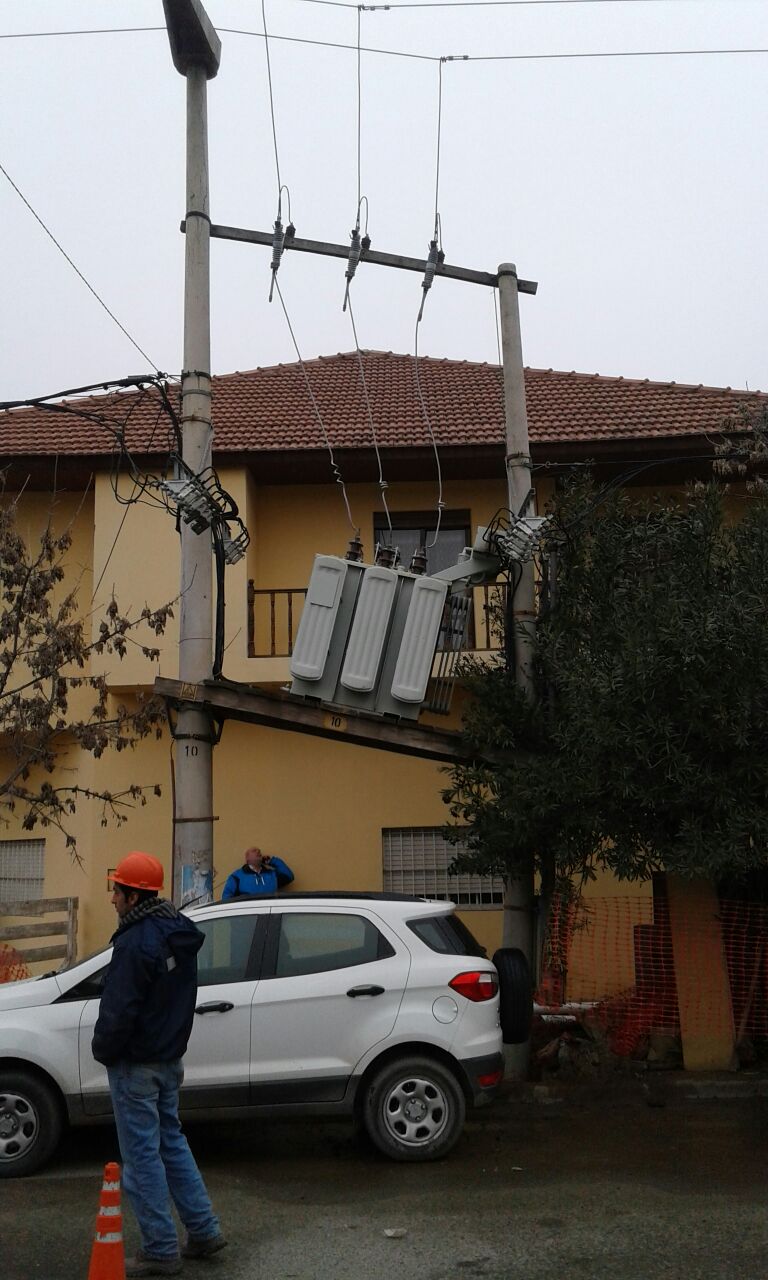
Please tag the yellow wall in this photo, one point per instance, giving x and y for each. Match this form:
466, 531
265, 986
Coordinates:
320, 804
135, 554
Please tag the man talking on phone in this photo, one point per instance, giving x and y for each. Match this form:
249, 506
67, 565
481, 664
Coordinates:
259, 874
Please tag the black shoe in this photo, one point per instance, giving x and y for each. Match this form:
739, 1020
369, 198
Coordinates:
142, 1265
203, 1248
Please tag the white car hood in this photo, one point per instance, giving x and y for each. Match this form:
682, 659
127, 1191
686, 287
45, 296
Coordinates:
28, 993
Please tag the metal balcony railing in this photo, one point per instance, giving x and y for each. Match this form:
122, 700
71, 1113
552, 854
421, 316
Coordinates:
274, 614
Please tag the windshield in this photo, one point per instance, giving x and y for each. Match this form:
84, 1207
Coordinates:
67, 966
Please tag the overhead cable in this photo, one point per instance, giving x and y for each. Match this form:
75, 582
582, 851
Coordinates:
428, 423
78, 391
434, 257
86, 31
326, 439
425, 57
271, 95
134, 498
495, 292
114, 417
502, 57
280, 233
278, 246
347, 4
359, 110
77, 270
383, 485
359, 245
471, 4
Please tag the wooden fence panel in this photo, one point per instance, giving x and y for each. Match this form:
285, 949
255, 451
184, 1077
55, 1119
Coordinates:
62, 927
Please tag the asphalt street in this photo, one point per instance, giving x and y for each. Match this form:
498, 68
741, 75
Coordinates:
594, 1188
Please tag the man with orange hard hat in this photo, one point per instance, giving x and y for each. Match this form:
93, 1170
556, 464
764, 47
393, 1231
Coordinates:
144, 1024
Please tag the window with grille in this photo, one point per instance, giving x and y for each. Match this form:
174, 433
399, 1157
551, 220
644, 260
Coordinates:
416, 861
22, 870
414, 529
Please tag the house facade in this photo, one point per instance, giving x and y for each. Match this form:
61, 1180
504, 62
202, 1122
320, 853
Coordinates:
342, 815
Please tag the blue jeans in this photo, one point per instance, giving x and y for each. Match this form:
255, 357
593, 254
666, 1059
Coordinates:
158, 1165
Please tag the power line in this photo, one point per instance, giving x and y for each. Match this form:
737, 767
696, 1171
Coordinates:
508, 57
77, 270
614, 53
428, 424
335, 469
271, 99
439, 130
357, 247
495, 293
114, 542
334, 465
471, 4
330, 44
345, 4
359, 116
88, 31
383, 485
429, 57
434, 257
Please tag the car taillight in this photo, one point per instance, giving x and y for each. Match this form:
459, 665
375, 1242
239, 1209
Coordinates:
477, 985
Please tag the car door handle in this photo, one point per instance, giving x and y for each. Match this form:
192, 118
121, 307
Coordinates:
215, 1006
365, 991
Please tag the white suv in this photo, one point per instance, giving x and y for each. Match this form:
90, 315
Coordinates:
375, 1005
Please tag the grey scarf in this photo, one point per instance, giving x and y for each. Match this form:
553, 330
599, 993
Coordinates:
149, 907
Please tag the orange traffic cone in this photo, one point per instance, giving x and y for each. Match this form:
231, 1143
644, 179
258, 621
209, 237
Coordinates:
108, 1254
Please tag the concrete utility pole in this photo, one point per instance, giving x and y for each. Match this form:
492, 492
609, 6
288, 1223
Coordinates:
518, 893
196, 51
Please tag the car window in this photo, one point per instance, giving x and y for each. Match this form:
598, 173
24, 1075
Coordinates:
226, 953
312, 942
448, 935
89, 988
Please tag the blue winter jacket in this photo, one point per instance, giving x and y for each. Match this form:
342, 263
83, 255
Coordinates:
150, 989
245, 880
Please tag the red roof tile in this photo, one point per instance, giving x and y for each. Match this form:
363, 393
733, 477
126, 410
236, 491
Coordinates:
271, 409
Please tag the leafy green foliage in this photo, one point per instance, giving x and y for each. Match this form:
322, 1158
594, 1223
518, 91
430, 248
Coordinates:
645, 744
50, 701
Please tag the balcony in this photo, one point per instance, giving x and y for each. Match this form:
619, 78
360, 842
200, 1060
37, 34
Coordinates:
274, 614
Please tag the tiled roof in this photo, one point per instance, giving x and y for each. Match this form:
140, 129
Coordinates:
271, 409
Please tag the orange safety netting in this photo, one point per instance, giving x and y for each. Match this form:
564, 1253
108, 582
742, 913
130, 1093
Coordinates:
630, 975
12, 966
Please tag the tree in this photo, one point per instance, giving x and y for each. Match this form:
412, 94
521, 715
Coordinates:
50, 700
645, 744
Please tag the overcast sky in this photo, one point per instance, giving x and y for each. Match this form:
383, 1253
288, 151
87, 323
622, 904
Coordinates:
632, 189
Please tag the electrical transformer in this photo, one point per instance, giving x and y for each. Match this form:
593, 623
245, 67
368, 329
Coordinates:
367, 637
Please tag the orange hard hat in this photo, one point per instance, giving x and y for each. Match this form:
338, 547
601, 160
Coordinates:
138, 871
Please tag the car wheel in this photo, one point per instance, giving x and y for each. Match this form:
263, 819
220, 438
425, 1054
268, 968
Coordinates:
515, 995
414, 1110
30, 1123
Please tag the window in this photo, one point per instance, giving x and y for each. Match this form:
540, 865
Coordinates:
90, 988
22, 870
315, 943
414, 529
225, 955
448, 935
416, 860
